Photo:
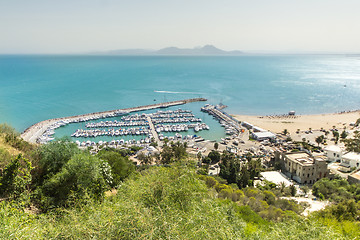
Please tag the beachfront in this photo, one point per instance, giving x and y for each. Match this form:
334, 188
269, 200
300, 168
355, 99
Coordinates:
277, 124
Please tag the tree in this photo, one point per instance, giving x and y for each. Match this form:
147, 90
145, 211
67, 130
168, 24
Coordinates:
344, 134
144, 159
199, 156
353, 145
216, 146
229, 167
357, 122
319, 139
244, 178
206, 160
179, 150
254, 168
336, 136
292, 190
285, 132
282, 187
305, 189
166, 155
214, 156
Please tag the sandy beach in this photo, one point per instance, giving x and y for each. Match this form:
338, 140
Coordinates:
277, 124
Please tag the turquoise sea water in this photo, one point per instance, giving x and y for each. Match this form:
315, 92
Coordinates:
35, 88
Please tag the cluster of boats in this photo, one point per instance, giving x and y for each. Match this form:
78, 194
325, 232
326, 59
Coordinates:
134, 117
112, 143
176, 120
158, 118
135, 124
178, 136
116, 124
111, 132
48, 134
226, 121
181, 127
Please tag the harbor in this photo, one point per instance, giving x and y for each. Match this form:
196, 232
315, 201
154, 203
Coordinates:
43, 131
147, 125
144, 125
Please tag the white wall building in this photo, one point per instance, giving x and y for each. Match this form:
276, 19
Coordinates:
260, 136
333, 153
351, 159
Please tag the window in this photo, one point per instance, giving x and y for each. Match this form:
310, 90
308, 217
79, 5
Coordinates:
308, 175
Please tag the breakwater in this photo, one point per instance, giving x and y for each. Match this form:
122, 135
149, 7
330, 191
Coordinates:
39, 130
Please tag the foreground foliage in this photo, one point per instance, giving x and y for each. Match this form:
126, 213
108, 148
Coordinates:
163, 203
60, 194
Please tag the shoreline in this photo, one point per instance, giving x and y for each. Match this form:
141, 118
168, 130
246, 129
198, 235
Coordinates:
272, 123
277, 123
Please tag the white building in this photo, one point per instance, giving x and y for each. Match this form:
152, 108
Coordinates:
260, 136
351, 159
333, 153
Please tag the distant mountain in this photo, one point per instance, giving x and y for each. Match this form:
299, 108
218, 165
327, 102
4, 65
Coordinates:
198, 51
206, 50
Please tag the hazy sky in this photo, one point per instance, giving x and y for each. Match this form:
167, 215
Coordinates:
66, 26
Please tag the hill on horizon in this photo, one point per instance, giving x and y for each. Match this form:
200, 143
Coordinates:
207, 50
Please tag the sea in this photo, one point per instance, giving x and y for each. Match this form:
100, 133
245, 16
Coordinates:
39, 87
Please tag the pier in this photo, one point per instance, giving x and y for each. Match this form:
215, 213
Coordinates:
34, 132
153, 131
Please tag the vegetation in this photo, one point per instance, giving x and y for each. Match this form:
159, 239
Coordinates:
320, 139
64, 193
353, 145
242, 173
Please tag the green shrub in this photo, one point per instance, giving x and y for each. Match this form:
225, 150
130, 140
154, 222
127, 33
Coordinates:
79, 179
121, 167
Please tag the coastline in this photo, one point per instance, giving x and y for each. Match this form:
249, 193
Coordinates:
278, 123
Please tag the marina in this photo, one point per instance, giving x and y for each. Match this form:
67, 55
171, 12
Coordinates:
43, 131
147, 125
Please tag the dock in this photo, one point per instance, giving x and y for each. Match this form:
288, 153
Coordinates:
34, 132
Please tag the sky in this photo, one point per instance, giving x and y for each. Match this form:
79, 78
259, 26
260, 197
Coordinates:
79, 26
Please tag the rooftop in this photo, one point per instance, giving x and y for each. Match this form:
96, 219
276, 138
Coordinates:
303, 158
356, 175
264, 134
352, 156
333, 148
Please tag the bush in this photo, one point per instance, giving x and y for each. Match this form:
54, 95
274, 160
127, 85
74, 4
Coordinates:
16, 177
51, 157
79, 179
121, 167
